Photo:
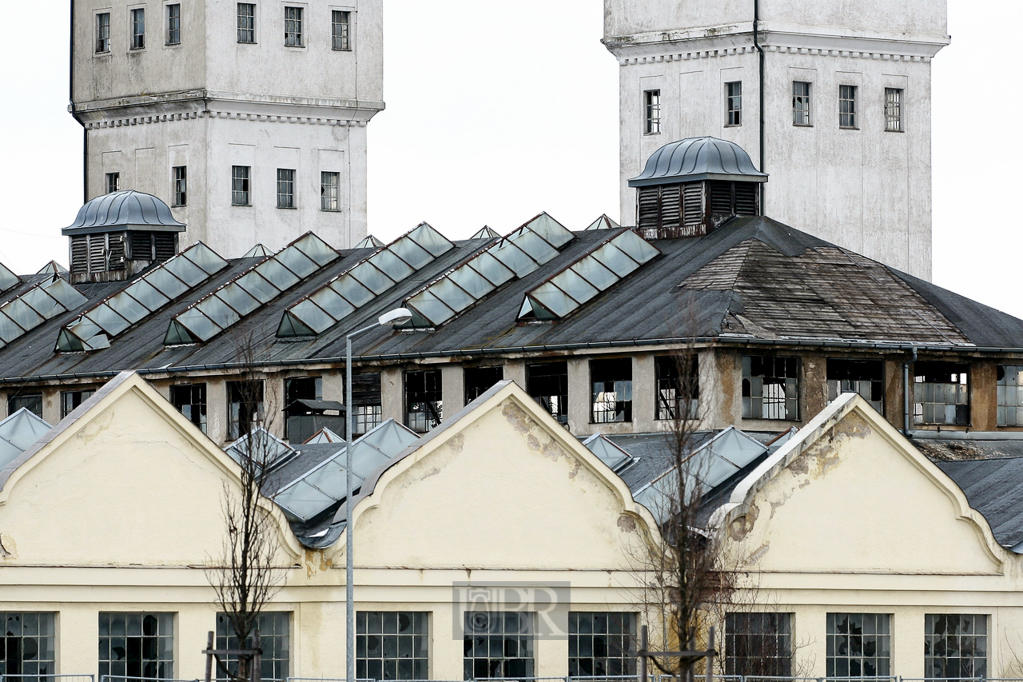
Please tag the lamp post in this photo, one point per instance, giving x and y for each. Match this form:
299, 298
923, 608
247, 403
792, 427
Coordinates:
393, 318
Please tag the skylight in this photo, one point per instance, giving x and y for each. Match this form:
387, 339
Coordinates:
42, 302
148, 294
610, 454
250, 290
366, 280
597, 271
517, 255
18, 432
7, 278
603, 223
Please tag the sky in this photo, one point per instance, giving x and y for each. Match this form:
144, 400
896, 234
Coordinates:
498, 110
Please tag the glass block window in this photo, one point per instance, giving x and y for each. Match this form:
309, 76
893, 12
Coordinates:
173, 24
770, 388
340, 30
180, 186
1010, 395
138, 29
670, 387
240, 188
103, 32
847, 110
479, 380
733, 103
941, 393
28, 644
955, 645
601, 644
293, 27
244, 407
652, 109
246, 22
547, 384
69, 400
611, 395
274, 640
893, 110
859, 645
855, 376
497, 644
190, 400
285, 188
392, 645
424, 406
800, 103
330, 191
136, 645
33, 401
758, 644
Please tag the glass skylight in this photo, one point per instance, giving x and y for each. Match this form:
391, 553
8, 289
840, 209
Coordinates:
42, 302
269, 450
258, 251
485, 232
143, 297
370, 242
250, 290
518, 254
603, 223
366, 280
595, 272
610, 454
7, 278
326, 484
18, 432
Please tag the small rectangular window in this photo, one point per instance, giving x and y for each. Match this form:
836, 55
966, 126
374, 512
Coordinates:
601, 644
498, 644
180, 194
246, 22
479, 380
174, 24
330, 191
859, 645
1010, 395
274, 639
733, 106
112, 181
293, 27
103, 32
392, 645
32, 401
138, 28
30, 651
547, 384
857, 376
244, 407
424, 407
190, 400
893, 110
847, 106
611, 396
758, 644
285, 188
340, 30
770, 388
941, 393
136, 645
298, 424
69, 400
800, 103
673, 386
955, 646
652, 108
367, 402
240, 194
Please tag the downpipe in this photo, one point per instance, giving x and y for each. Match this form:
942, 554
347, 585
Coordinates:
905, 395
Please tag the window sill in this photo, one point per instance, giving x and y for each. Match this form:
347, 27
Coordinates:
651, 134
732, 125
179, 205
802, 125
341, 49
242, 205
330, 210
136, 49
178, 44
246, 42
287, 208
295, 47
848, 127
894, 131
101, 54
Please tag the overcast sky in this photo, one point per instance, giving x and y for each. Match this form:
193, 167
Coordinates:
498, 110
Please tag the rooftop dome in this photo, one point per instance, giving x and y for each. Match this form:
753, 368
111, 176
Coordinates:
124, 210
698, 158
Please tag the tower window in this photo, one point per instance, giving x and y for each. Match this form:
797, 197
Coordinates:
330, 194
652, 106
138, 29
190, 400
173, 24
847, 106
103, 32
893, 110
240, 194
285, 188
246, 22
180, 185
293, 27
800, 103
340, 30
113, 179
733, 107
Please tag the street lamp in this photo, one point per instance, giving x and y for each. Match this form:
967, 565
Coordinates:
393, 318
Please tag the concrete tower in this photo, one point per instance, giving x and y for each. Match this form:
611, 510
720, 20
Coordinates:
247, 118
831, 98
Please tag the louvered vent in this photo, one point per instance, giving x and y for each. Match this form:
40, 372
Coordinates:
692, 201
166, 245
746, 199
141, 245
721, 198
649, 208
117, 259
80, 254
97, 252
671, 207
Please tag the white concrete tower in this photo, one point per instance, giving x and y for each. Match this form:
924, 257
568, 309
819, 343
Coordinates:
247, 118
831, 98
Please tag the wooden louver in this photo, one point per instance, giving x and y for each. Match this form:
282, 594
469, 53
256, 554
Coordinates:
693, 209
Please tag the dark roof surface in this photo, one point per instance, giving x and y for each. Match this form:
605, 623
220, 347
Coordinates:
994, 487
752, 279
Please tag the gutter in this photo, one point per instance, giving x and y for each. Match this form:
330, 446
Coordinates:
905, 394
966, 435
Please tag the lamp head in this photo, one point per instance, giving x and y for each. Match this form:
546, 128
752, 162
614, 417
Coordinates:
395, 317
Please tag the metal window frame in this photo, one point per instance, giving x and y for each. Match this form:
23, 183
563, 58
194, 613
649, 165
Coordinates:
126, 616
234, 421
179, 195
424, 409
893, 109
275, 644
246, 23
286, 188
619, 659
555, 404
173, 18
607, 405
197, 417
71, 400
860, 382
749, 638
15, 627
293, 26
241, 185
1009, 395
524, 639
385, 628
115, 177
102, 33
341, 30
652, 111
935, 394
667, 388
733, 104
754, 385
833, 636
138, 28
330, 191
932, 636
848, 114
802, 103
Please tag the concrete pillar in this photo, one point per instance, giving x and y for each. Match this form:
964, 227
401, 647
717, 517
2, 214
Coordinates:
579, 397
191, 629
447, 656
273, 403
644, 389
720, 388
894, 405
814, 391
3, 406
334, 385
984, 395
51, 406
392, 394
216, 409
515, 370
452, 384
77, 636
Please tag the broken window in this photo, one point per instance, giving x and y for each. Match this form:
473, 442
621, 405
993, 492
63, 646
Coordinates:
758, 644
611, 396
547, 383
800, 103
770, 388
1010, 395
479, 380
601, 644
733, 106
274, 639
955, 645
392, 645
369, 409
854, 376
69, 400
33, 401
244, 407
859, 645
190, 400
28, 644
941, 393
673, 385
423, 400
301, 388
652, 109
498, 644
136, 645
